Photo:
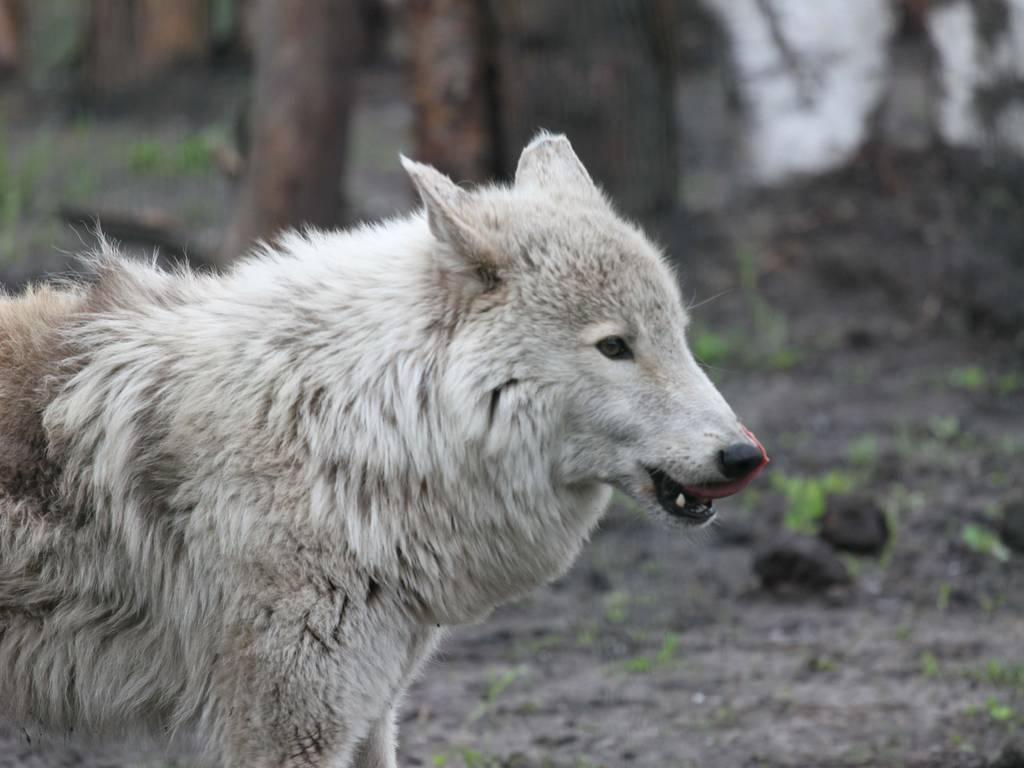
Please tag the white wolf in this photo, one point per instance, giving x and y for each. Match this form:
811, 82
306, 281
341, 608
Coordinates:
245, 506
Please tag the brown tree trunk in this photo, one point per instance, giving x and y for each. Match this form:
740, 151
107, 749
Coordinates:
307, 57
602, 72
130, 41
451, 90
174, 32
12, 29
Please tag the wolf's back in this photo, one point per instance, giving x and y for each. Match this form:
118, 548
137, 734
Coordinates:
76, 631
30, 362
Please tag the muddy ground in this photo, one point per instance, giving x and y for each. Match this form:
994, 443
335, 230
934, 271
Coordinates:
865, 325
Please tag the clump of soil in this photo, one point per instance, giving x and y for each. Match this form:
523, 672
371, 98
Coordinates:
802, 562
1012, 527
855, 523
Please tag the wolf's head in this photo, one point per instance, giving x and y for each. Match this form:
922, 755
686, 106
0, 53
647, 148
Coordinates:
566, 304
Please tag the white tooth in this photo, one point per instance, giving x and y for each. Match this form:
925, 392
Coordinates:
680, 500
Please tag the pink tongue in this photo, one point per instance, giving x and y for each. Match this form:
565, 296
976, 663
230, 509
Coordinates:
721, 490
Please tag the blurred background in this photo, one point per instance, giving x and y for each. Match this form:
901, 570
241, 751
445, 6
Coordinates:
841, 187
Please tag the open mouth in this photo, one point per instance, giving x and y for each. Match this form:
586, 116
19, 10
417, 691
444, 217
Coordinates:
693, 502
681, 501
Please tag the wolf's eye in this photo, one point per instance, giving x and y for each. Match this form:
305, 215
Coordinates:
615, 348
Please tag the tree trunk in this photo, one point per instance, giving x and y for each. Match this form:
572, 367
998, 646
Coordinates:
452, 97
602, 72
307, 56
131, 41
12, 29
174, 33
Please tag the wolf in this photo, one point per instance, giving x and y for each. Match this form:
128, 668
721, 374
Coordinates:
238, 511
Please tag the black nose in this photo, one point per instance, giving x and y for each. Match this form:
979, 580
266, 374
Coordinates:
740, 459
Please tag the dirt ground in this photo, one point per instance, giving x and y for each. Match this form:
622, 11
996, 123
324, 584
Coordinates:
865, 327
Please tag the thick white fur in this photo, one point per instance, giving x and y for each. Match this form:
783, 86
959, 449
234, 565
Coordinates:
252, 502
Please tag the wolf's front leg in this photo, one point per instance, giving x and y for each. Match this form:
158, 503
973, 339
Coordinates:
293, 686
377, 750
287, 729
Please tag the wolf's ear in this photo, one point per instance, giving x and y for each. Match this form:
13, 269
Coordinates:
550, 163
449, 211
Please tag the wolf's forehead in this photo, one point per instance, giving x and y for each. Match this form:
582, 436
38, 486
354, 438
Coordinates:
614, 285
592, 263
649, 294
